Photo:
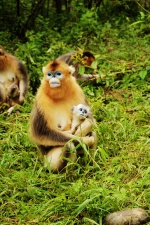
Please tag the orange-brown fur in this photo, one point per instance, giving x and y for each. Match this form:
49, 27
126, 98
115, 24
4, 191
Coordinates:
52, 107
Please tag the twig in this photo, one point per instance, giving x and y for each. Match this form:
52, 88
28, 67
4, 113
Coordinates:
142, 7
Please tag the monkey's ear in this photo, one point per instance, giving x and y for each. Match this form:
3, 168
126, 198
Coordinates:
44, 69
72, 69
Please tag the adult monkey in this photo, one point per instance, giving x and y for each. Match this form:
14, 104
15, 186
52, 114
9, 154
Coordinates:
13, 79
51, 116
77, 59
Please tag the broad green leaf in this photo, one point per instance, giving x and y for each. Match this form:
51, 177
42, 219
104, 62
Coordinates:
147, 68
94, 64
142, 15
143, 74
81, 70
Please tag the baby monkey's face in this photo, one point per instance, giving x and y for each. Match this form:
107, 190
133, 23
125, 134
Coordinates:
80, 111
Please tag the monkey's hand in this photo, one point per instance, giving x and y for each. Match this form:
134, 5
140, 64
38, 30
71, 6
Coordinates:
95, 77
90, 76
10, 110
84, 128
88, 141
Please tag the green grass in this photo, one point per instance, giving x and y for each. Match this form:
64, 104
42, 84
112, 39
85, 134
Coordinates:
119, 175
85, 194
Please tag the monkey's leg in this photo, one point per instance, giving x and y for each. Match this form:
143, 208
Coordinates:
55, 157
3, 96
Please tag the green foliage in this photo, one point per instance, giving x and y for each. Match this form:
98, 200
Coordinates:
141, 27
84, 26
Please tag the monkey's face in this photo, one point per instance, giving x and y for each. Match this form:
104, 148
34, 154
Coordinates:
57, 73
81, 111
54, 78
88, 58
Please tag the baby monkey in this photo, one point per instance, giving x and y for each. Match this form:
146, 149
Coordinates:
81, 112
12, 90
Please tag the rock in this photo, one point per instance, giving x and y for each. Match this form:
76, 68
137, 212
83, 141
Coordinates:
134, 216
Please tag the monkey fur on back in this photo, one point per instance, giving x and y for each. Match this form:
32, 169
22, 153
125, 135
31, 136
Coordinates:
86, 58
51, 116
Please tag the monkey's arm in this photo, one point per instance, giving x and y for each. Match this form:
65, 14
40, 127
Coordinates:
46, 136
84, 128
87, 77
23, 81
74, 125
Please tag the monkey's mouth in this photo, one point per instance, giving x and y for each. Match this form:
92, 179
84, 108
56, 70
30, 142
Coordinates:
82, 116
54, 84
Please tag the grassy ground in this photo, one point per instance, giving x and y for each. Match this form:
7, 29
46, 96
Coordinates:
119, 175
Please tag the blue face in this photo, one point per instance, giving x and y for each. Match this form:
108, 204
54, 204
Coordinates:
54, 78
54, 74
83, 112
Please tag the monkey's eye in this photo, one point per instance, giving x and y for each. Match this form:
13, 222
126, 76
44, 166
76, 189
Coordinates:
49, 74
85, 111
80, 109
58, 73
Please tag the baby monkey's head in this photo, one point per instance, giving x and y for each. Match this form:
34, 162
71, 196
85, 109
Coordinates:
81, 111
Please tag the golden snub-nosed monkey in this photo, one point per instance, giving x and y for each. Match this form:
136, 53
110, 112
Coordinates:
51, 115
